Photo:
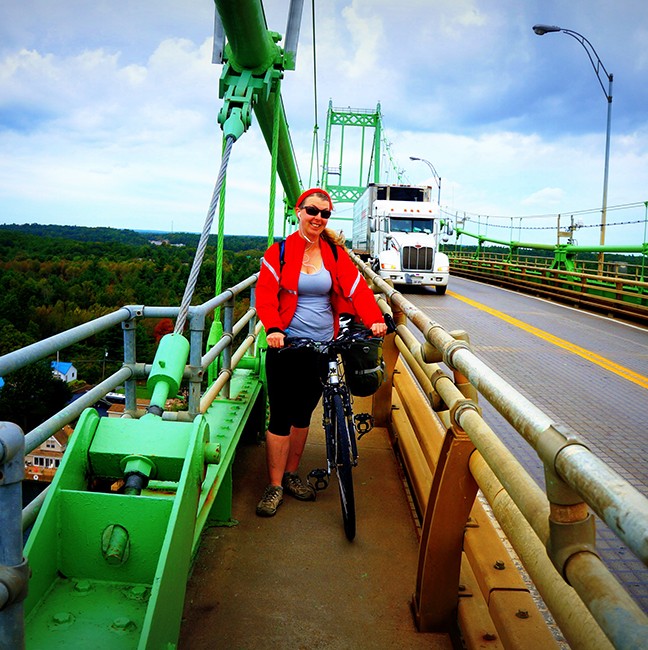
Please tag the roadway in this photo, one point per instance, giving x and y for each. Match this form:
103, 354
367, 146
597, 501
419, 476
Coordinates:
587, 372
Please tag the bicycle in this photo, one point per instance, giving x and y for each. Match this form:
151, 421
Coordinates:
340, 424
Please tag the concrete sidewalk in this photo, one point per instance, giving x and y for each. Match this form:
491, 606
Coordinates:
294, 580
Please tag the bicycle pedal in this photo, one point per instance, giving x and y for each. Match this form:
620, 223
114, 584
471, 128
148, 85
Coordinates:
318, 479
364, 423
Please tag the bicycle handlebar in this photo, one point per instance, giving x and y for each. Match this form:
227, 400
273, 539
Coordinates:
346, 336
338, 344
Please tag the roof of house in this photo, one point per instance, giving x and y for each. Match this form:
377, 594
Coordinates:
61, 366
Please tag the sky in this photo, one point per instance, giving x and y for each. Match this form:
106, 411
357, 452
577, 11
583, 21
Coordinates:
108, 111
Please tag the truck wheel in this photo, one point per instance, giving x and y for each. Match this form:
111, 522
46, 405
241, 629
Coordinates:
441, 289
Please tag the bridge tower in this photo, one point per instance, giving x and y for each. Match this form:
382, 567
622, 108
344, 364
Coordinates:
366, 165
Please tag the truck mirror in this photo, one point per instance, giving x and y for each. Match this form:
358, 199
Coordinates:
372, 225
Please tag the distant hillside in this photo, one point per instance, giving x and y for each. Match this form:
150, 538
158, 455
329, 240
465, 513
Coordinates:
54, 278
132, 237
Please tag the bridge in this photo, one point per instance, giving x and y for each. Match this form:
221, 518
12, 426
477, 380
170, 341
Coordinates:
501, 496
577, 366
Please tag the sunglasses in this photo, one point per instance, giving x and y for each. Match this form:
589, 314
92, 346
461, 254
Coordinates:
313, 211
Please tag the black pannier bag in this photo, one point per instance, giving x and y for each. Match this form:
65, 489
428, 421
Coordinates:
364, 366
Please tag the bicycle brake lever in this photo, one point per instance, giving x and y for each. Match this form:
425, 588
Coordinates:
389, 321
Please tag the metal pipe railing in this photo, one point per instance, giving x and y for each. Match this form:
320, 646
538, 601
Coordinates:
39, 350
14, 572
578, 474
225, 373
42, 432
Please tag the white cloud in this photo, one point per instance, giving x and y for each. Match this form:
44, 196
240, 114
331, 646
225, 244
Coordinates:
108, 117
545, 197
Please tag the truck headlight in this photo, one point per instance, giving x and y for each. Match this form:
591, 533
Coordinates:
443, 268
388, 267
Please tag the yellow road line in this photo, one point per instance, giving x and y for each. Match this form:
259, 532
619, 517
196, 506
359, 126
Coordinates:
617, 369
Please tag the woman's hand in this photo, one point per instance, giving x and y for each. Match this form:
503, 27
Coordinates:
276, 340
379, 329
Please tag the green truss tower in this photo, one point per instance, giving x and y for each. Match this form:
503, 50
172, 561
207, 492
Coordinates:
345, 191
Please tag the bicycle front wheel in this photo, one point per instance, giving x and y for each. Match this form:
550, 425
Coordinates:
343, 466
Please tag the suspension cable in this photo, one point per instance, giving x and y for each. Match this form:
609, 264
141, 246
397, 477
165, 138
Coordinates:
204, 238
273, 164
315, 149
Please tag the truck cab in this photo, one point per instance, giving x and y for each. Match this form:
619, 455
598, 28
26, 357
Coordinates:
399, 230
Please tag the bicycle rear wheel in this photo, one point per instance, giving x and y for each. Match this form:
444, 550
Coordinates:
344, 466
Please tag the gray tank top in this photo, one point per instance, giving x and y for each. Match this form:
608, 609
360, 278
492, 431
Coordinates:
313, 317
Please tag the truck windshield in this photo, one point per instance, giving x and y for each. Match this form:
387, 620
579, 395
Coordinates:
411, 225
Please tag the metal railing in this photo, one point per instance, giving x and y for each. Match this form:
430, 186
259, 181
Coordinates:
623, 294
552, 532
13, 569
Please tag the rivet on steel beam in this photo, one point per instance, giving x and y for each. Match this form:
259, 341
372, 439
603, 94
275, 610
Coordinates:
61, 619
138, 592
522, 613
123, 624
83, 587
499, 565
489, 637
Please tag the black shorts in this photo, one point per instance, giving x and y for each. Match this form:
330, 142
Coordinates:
294, 387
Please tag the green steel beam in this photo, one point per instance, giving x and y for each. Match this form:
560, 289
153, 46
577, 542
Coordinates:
110, 569
252, 49
351, 117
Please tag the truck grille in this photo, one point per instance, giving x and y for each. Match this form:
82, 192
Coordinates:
418, 259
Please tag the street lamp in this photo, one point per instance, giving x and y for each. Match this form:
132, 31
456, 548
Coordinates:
436, 176
599, 69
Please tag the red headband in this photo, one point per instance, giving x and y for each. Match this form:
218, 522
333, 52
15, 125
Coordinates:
314, 190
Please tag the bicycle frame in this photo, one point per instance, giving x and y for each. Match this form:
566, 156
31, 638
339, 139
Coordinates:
339, 429
335, 385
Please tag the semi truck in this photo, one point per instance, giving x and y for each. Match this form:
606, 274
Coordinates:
398, 229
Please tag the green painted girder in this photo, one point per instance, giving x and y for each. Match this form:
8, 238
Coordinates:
345, 194
228, 418
109, 570
351, 117
252, 47
369, 119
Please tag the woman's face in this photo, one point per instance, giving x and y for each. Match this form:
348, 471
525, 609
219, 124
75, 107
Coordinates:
312, 226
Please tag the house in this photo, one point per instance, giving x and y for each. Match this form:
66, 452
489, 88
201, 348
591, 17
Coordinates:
41, 464
64, 371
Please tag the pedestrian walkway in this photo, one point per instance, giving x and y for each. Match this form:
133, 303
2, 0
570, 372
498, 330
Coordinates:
294, 580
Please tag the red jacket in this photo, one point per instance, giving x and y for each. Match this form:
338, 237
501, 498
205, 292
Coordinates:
276, 292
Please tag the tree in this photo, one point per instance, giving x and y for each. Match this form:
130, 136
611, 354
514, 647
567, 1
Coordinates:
32, 395
164, 327
11, 338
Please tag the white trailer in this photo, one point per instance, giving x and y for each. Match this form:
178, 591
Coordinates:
398, 228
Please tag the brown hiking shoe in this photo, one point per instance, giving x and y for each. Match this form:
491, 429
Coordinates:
270, 501
294, 486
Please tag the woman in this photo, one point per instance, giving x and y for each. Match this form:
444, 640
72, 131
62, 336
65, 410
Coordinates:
300, 292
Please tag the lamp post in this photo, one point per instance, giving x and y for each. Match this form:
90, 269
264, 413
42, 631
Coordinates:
599, 69
436, 176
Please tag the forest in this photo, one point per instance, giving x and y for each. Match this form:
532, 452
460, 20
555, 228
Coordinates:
54, 278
